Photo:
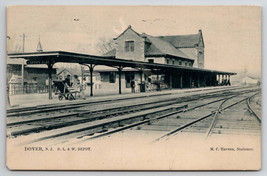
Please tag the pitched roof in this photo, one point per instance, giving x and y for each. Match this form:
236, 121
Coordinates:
165, 45
61, 71
39, 47
71, 71
182, 41
129, 27
252, 77
159, 47
15, 61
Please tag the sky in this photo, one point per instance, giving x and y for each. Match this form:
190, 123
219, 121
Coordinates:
232, 34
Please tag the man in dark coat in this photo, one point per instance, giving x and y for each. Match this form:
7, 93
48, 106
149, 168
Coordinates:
133, 86
67, 80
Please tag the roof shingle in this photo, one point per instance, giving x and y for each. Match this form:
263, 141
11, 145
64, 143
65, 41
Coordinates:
159, 47
182, 41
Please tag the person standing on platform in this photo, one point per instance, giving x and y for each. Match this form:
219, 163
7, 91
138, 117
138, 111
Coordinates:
82, 86
133, 86
76, 83
77, 86
67, 81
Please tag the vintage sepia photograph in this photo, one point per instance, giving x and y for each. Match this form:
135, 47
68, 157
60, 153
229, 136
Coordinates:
133, 88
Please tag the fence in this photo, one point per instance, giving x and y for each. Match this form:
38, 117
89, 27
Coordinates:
15, 89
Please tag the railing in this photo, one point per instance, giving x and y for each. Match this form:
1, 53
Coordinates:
15, 89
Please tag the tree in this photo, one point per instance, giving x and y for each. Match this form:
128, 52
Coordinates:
105, 45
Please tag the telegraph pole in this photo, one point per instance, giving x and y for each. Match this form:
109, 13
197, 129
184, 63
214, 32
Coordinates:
23, 42
22, 65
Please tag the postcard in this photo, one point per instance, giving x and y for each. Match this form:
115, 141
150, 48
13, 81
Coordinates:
133, 88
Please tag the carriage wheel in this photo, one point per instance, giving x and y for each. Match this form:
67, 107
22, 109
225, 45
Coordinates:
60, 97
69, 96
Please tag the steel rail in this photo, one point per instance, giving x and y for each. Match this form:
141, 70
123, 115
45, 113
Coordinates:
123, 127
130, 125
95, 117
251, 109
99, 113
54, 107
200, 119
148, 121
109, 110
215, 117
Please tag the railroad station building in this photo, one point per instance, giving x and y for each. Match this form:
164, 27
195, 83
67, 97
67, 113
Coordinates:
152, 62
180, 50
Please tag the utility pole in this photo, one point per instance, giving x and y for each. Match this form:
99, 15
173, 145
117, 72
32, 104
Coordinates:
22, 65
23, 42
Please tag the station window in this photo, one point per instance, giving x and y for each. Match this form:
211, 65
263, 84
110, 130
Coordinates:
151, 60
112, 77
129, 46
185, 64
173, 62
190, 64
128, 78
180, 62
105, 77
167, 61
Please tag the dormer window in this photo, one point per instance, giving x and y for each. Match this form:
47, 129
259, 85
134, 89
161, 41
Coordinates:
129, 46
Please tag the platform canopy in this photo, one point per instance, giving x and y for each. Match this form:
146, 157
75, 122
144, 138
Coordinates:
51, 57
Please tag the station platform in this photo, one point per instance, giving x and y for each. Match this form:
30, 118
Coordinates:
32, 100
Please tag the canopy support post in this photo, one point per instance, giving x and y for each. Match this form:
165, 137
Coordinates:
91, 69
120, 70
50, 68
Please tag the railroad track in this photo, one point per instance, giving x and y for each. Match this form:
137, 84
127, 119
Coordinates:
252, 110
245, 122
26, 111
22, 126
122, 120
106, 127
209, 122
29, 125
206, 117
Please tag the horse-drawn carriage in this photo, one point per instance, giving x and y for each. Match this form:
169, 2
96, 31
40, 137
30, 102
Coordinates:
64, 91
